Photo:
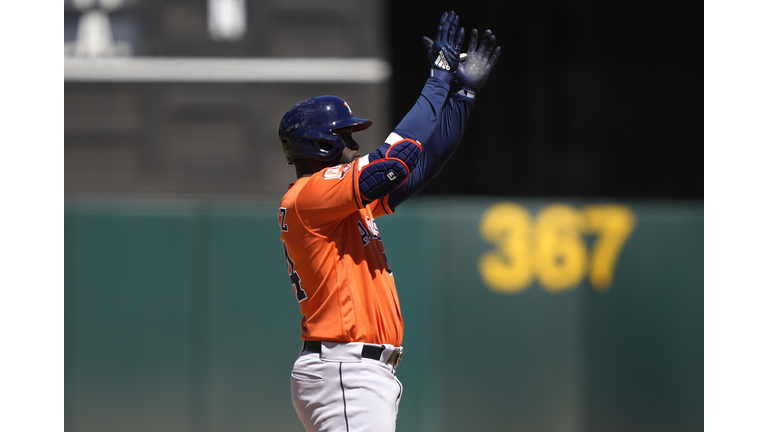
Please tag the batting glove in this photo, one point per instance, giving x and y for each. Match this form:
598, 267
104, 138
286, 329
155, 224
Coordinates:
443, 52
474, 70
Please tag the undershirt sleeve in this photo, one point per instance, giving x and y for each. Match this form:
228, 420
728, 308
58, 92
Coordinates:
437, 150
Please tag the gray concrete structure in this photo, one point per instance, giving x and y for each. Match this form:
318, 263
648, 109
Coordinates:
207, 137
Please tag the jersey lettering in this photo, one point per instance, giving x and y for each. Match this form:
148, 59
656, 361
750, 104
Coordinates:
373, 228
363, 233
295, 279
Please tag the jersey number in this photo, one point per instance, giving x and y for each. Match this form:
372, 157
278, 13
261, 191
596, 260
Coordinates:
283, 226
389, 269
295, 279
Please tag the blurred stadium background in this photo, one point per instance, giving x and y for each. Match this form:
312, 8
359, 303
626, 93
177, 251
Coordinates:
551, 278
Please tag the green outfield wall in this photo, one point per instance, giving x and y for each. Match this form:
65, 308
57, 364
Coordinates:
520, 315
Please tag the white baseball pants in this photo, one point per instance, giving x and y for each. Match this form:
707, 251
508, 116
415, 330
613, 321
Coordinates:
338, 390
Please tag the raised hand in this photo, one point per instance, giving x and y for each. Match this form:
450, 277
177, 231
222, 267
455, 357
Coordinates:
474, 70
443, 52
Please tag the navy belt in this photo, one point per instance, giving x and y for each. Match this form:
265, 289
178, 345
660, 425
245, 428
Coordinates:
369, 351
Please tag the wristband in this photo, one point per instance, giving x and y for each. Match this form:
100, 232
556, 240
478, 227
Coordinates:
466, 92
440, 74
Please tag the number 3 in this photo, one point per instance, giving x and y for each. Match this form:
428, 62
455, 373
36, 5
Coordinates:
509, 268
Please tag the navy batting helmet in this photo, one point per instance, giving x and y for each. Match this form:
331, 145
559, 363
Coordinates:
307, 130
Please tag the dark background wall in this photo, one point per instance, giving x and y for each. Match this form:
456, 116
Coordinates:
207, 138
589, 98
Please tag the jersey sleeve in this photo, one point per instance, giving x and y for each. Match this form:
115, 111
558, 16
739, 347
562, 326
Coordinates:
380, 207
331, 195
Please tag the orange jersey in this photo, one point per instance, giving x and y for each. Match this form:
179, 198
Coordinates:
336, 260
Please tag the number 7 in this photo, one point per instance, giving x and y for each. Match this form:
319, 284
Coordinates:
613, 224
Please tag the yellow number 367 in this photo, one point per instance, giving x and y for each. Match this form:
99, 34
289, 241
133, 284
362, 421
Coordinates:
552, 247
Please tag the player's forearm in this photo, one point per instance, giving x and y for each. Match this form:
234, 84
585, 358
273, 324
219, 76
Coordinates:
422, 119
447, 136
438, 149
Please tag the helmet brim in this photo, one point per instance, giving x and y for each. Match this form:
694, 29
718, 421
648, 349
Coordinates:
355, 123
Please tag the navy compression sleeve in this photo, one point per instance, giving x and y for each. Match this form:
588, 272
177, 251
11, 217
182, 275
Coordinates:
421, 120
383, 170
438, 149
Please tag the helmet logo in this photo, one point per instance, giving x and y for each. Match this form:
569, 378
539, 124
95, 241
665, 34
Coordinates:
347, 105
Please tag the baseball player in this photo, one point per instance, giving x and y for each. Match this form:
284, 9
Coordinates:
352, 329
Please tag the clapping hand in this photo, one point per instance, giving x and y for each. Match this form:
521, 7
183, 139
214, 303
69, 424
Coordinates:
443, 52
474, 70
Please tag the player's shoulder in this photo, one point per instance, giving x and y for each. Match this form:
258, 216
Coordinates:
289, 198
325, 179
330, 190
